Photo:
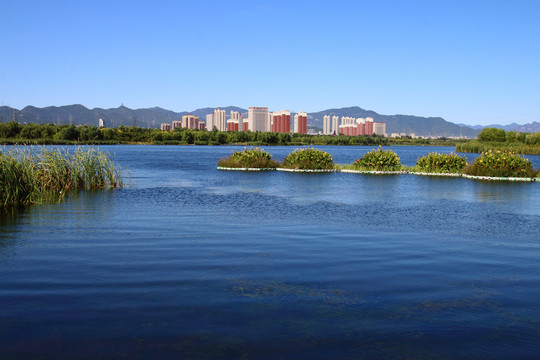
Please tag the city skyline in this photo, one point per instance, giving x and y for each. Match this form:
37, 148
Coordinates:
472, 63
260, 119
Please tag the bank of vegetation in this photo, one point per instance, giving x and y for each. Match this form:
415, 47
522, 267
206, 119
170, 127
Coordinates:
440, 163
249, 159
490, 164
49, 134
308, 159
499, 140
378, 160
29, 176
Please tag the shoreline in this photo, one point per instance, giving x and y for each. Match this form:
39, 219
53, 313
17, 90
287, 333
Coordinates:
374, 172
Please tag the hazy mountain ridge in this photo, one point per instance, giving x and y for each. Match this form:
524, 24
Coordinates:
154, 116
80, 115
529, 127
409, 124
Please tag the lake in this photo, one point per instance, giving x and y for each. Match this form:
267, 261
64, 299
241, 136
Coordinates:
189, 262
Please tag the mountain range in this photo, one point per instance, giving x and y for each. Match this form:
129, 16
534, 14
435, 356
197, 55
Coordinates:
531, 127
153, 117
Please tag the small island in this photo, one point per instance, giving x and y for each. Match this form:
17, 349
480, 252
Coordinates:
491, 165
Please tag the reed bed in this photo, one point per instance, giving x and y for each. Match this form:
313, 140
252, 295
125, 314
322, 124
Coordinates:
29, 176
475, 146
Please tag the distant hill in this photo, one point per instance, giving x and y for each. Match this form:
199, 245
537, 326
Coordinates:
409, 124
80, 115
153, 117
531, 127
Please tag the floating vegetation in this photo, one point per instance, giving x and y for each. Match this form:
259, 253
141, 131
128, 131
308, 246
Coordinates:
253, 158
29, 176
501, 164
378, 160
493, 166
308, 159
440, 163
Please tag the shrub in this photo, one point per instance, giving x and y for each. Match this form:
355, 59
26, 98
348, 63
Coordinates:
308, 158
441, 163
249, 158
500, 164
378, 160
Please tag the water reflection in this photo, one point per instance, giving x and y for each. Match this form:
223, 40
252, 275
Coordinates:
10, 218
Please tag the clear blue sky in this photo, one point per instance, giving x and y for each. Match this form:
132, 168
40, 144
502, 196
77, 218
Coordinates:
475, 62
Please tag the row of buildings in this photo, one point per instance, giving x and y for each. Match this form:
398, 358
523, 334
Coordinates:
352, 126
188, 122
260, 119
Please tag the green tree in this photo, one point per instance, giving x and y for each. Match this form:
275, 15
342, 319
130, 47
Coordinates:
491, 135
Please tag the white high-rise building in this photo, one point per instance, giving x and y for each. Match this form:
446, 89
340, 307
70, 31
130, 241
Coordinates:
210, 122
220, 119
326, 125
258, 119
335, 125
379, 128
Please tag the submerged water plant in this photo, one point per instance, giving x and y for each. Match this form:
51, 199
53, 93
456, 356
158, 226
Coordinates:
29, 176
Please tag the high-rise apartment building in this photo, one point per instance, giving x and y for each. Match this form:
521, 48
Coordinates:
379, 128
360, 126
235, 122
281, 121
210, 122
258, 119
326, 125
369, 126
300, 122
176, 124
220, 119
335, 125
348, 126
165, 127
190, 121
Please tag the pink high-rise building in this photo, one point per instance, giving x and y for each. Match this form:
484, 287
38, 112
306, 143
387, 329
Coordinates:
281, 121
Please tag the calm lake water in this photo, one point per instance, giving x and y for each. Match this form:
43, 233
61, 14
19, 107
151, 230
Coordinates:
189, 262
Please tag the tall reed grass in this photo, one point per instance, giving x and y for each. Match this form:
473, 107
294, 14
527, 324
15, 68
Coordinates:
29, 176
475, 146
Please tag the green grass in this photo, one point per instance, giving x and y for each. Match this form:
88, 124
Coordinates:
29, 176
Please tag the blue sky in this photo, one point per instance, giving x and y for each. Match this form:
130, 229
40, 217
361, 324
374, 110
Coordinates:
473, 62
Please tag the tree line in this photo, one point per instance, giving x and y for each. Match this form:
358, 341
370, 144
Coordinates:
15, 133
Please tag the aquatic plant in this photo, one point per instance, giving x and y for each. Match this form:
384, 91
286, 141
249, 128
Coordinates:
30, 176
308, 158
255, 158
378, 160
441, 163
474, 146
501, 164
